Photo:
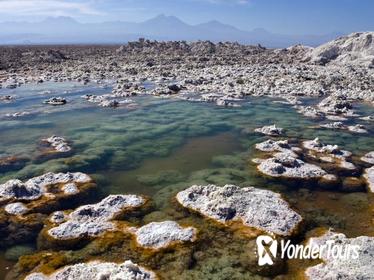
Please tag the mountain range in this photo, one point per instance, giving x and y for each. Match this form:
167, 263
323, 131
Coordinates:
66, 30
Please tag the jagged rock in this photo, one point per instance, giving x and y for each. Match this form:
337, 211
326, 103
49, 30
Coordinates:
24, 205
369, 176
355, 49
318, 146
109, 103
270, 130
329, 153
286, 166
278, 146
158, 235
337, 118
16, 189
17, 208
58, 143
368, 158
57, 217
343, 268
367, 118
336, 105
98, 271
310, 111
6, 98
358, 128
94, 219
261, 209
55, 101
175, 88
334, 125
35, 187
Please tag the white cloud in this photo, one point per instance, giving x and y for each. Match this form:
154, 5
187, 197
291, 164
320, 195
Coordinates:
47, 8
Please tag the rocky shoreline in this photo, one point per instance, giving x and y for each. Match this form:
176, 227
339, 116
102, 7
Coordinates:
228, 69
92, 237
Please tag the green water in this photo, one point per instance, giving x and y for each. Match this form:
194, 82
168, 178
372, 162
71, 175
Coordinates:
165, 145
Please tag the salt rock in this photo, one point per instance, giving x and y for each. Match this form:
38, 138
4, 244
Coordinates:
59, 144
261, 209
369, 176
270, 130
343, 268
95, 219
17, 208
319, 147
368, 158
284, 165
35, 187
358, 128
277, 146
157, 235
98, 271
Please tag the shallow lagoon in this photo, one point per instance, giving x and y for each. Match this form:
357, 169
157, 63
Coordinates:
162, 146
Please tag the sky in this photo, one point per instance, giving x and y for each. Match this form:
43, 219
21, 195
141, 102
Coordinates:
278, 16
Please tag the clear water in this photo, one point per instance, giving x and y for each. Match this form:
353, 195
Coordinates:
164, 145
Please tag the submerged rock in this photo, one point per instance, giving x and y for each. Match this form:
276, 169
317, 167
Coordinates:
97, 270
334, 125
343, 268
158, 235
261, 209
59, 144
369, 176
270, 130
109, 103
358, 128
368, 118
368, 158
94, 219
55, 101
17, 251
18, 114
8, 163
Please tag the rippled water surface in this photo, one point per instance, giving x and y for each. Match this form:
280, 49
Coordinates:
161, 146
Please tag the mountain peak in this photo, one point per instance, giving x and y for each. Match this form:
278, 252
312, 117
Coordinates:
60, 20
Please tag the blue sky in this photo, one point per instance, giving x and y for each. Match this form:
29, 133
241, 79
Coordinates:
281, 16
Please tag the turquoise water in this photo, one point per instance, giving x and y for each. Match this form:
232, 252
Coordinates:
162, 146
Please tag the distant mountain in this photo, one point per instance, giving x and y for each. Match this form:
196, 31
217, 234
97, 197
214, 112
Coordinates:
58, 30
